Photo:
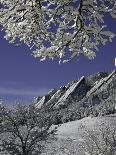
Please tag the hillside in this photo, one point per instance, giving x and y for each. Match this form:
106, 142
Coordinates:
74, 138
84, 112
73, 129
77, 90
92, 95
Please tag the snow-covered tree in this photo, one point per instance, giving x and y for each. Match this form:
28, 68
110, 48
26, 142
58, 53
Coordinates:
101, 139
24, 131
58, 28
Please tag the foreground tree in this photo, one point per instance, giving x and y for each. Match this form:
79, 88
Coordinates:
54, 27
23, 131
100, 140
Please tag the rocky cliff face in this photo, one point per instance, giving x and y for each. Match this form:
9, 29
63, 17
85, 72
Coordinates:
99, 84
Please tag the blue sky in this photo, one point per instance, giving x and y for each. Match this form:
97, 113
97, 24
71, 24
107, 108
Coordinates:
22, 77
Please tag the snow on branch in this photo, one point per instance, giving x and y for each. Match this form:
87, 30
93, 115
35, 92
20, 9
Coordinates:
53, 27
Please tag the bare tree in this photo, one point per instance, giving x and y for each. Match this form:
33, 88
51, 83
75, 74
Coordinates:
100, 140
23, 130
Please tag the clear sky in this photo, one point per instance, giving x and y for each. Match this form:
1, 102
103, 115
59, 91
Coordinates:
22, 77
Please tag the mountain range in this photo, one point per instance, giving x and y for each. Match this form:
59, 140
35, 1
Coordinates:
100, 85
91, 95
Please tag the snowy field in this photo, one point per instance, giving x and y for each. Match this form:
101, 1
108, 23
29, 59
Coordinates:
69, 135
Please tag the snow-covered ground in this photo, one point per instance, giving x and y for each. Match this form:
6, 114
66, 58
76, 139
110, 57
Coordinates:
69, 135
73, 129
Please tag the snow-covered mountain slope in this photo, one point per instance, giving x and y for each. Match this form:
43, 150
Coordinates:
102, 83
40, 102
78, 90
69, 91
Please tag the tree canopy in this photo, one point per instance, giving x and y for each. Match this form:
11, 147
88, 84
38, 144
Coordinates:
58, 28
24, 130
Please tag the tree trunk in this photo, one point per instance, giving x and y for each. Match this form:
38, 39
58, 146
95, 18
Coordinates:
24, 150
